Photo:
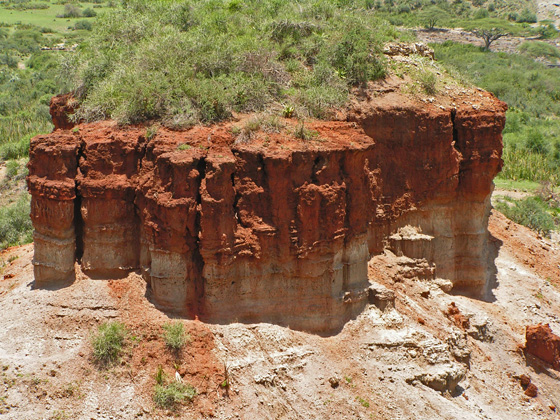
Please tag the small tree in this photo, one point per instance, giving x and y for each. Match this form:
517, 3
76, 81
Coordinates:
431, 16
489, 35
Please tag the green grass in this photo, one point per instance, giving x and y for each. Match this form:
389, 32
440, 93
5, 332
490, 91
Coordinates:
533, 212
44, 18
175, 335
108, 342
168, 396
186, 62
520, 185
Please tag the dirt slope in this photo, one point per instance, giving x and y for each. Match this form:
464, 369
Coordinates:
383, 365
549, 9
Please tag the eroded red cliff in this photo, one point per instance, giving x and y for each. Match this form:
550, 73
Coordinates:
273, 229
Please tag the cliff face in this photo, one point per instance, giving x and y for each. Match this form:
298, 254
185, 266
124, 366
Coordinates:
274, 229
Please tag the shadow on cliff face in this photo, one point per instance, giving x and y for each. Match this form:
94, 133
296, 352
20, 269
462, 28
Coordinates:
487, 292
370, 297
494, 245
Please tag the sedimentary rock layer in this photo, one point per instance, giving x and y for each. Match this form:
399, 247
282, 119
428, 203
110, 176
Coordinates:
273, 228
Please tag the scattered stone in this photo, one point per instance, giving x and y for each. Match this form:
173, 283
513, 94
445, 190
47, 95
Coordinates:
381, 296
532, 391
405, 49
441, 377
459, 346
444, 284
334, 382
480, 329
543, 344
457, 317
524, 380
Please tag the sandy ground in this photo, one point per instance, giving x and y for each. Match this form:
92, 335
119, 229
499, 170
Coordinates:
376, 368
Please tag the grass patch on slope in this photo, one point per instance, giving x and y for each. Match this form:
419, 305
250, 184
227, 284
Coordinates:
185, 62
533, 212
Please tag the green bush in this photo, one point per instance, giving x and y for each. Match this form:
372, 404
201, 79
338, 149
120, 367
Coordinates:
531, 212
527, 16
89, 13
70, 11
15, 223
170, 395
83, 24
175, 335
428, 81
108, 342
12, 168
185, 62
537, 49
15, 149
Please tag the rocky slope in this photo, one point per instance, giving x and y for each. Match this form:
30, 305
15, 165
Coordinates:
274, 228
399, 359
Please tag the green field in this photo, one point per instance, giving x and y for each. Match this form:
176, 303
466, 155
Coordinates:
44, 18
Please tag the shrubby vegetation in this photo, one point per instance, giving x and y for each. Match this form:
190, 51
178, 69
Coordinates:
25, 92
532, 212
108, 342
455, 13
175, 335
29, 77
198, 61
168, 396
539, 49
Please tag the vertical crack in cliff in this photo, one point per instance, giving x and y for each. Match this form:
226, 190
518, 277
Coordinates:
236, 197
198, 299
142, 150
457, 146
345, 177
318, 164
455, 143
78, 219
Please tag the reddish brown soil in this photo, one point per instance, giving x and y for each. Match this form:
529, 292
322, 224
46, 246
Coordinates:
196, 362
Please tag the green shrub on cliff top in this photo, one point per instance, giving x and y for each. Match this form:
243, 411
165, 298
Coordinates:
186, 61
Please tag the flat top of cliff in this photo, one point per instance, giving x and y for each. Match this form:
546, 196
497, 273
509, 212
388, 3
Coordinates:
282, 135
366, 371
183, 63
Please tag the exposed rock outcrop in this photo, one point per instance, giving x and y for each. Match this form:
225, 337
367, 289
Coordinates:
544, 344
274, 229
